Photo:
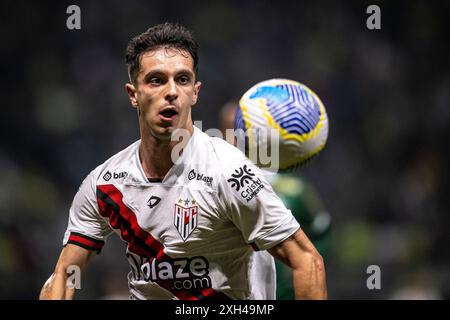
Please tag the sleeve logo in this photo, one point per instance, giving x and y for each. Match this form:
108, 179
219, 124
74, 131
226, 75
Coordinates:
245, 181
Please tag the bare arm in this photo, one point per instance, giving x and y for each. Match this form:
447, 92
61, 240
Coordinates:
55, 287
307, 265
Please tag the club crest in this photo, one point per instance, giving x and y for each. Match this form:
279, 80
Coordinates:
185, 217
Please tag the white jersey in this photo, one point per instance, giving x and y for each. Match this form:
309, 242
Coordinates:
199, 233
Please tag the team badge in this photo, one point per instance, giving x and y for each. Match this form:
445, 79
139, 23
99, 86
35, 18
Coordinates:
185, 217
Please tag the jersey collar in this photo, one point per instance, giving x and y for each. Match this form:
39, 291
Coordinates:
136, 175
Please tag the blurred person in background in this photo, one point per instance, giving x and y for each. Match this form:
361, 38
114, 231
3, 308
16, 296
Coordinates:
301, 198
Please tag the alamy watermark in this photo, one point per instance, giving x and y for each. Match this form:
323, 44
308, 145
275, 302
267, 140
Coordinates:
374, 280
73, 21
73, 277
374, 20
260, 145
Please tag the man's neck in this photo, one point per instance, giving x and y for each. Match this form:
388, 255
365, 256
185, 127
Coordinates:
156, 155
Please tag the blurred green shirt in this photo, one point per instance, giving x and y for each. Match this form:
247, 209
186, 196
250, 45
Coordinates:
302, 199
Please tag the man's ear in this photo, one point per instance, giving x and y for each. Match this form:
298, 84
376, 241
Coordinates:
197, 87
131, 91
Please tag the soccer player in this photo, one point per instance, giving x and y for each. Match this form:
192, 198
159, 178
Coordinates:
199, 219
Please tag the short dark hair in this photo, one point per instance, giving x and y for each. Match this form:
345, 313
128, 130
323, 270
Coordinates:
172, 35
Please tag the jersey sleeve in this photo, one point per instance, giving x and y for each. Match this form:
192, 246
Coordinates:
86, 227
250, 202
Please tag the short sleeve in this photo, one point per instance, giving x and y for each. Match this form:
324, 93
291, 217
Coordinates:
86, 227
253, 206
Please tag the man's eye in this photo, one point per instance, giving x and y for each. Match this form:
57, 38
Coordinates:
183, 79
155, 81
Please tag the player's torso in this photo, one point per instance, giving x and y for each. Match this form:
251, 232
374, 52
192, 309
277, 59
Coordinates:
183, 218
180, 243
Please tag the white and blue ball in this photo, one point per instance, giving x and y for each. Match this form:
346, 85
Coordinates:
290, 108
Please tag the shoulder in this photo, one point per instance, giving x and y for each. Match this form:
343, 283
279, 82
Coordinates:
220, 152
234, 169
207, 159
116, 167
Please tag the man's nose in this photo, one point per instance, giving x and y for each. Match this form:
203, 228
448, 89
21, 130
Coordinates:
171, 93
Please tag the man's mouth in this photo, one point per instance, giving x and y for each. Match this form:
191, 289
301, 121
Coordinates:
168, 113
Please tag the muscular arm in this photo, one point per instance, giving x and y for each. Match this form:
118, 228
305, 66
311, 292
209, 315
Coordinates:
307, 266
55, 287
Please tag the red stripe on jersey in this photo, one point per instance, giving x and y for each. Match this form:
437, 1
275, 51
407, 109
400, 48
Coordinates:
122, 218
85, 241
141, 242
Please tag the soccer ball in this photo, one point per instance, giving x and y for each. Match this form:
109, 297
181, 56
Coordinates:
292, 112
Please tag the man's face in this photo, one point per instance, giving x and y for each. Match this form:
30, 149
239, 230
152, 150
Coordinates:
164, 92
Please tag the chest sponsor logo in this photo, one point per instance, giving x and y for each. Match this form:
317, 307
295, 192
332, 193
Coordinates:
119, 175
185, 217
244, 181
116, 175
183, 273
107, 176
200, 177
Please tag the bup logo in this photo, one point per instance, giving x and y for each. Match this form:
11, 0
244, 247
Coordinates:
192, 175
107, 176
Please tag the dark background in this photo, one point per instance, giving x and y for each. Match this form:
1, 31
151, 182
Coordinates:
384, 174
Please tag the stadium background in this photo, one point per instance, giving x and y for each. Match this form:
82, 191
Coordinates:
383, 176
